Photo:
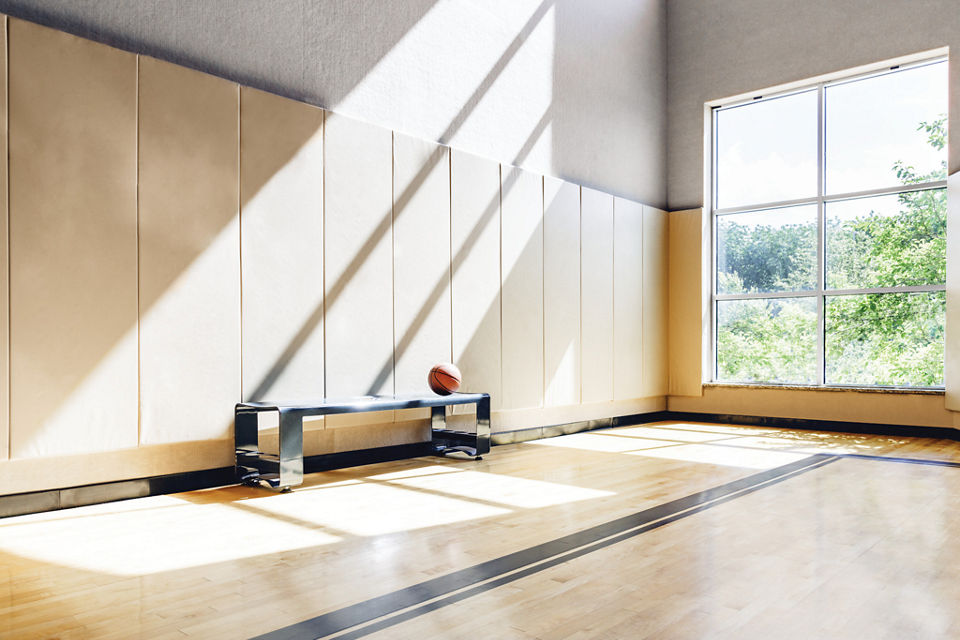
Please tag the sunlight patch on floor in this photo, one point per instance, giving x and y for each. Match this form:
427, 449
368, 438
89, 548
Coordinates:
503, 489
722, 429
605, 442
723, 456
151, 535
666, 433
371, 508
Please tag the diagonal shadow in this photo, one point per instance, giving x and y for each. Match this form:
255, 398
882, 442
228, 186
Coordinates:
397, 209
489, 213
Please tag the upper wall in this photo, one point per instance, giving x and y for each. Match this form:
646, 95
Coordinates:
566, 88
722, 48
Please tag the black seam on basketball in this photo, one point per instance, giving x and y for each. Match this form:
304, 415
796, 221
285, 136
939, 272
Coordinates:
446, 375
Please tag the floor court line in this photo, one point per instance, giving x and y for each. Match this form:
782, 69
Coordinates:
354, 621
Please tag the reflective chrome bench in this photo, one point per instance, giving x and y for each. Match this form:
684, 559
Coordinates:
285, 470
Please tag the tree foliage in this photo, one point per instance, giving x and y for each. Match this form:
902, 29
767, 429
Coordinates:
883, 339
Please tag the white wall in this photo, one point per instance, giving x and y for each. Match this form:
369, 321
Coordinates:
567, 88
722, 48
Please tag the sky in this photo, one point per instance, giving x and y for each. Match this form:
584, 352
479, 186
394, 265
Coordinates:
767, 150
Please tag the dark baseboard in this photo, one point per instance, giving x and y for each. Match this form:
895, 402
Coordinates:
54, 499
68, 497
536, 433
870, 428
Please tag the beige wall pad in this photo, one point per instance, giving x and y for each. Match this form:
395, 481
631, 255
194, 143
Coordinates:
189, 254
686, 310
475, 245
281, 214
951, 370
521, 272
561, 292
655, 301
596, 304
73, 259
4, 253
358, 263
421, 261
627, 299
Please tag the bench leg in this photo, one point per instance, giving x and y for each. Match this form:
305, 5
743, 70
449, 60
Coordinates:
291, 450
475, 446
483, 425
245, 436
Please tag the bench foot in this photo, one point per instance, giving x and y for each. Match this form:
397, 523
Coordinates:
443, 450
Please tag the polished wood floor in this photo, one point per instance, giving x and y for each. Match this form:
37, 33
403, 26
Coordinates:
862, 544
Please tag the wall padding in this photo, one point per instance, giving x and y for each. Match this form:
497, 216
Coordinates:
281, 213
521, 272
561, 292
358, 263
951, 371
686, 304
73, 260
627, 299
4, 253
655, 301
475, 245
189, 254
596, 305
421, 260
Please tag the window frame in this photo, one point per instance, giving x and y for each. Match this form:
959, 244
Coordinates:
820, 292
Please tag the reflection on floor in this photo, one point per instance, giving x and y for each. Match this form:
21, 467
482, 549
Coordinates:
861, 547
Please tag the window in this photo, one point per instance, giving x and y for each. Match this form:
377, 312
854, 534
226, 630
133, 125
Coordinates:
829, 228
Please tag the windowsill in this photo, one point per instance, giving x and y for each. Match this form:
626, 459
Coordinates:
801, 387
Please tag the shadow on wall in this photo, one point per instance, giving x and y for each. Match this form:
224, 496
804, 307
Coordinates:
582, 70
281, 57
182, 260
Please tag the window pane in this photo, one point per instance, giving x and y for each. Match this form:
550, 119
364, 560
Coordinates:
887, 241
887, 130
765, 251
767, 340
885, 339
767, 151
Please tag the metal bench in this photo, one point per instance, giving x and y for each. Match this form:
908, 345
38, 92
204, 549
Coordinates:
285, 470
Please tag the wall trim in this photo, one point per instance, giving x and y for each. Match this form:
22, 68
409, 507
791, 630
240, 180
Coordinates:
68, 497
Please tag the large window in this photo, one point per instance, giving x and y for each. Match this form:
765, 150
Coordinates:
829, 212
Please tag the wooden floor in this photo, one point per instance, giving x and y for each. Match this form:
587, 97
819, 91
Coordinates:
862, 541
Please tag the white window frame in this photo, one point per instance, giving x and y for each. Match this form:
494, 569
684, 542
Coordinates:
820, 200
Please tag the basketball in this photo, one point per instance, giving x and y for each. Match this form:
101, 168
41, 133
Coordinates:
444, 379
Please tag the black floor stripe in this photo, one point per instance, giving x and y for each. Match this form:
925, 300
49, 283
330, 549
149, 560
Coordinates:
579, 543
932, 463
409, 614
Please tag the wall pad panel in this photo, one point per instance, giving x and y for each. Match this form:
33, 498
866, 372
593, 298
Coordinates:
561, 292
189, 254
73, 202
358, 263
4, 253
475, 245
596, 305
281, 213
655, 301
627, 299
421, 260
521, 272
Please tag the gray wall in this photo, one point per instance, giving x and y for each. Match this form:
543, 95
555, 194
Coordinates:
721, 48
564, 87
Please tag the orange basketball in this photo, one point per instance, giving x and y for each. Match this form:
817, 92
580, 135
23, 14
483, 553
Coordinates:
444, 379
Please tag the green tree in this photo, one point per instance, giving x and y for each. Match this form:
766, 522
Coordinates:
885, 339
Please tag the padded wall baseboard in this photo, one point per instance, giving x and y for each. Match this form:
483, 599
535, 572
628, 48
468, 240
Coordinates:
54, 499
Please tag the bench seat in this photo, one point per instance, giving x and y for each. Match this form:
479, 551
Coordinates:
285, 470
